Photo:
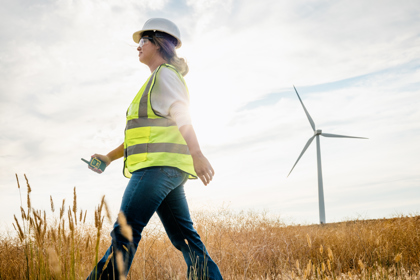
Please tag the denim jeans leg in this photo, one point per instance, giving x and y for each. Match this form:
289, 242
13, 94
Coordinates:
176, 219
145, 192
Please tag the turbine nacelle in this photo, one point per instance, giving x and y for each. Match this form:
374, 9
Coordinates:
317, 132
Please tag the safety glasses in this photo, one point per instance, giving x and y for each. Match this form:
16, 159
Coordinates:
143, 41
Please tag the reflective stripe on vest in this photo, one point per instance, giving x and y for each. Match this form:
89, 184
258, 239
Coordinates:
152, 140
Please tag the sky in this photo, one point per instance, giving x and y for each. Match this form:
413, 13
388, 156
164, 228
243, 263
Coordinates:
69, 69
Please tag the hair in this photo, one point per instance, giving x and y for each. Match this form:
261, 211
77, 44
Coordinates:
166, 44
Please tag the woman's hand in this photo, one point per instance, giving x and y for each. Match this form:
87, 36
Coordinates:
102, 158
201, 165
110, 157
203, 168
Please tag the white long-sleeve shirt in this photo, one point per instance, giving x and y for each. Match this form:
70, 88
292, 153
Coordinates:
169, 97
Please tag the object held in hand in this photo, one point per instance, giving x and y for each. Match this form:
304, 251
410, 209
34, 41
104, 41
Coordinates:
96, 163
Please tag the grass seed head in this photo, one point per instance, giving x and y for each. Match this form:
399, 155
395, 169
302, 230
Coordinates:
75, 218
126, 230
29, 202
321, 249
102, 205
120, 265
23, 214
84, 219
15, 230
309, 268
96, 218
36, 216
361, 265
52, 204
108, 259
17, 179
107, 212
62, 209
74, 201
27, 183
398, 258
54, 238
71, 222
330, 254
63, 226
20, 232
63, 234
45, 225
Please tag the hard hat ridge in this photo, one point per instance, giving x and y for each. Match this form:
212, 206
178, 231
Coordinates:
162, 25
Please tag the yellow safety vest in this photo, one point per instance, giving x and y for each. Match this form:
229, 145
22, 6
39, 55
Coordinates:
152, 140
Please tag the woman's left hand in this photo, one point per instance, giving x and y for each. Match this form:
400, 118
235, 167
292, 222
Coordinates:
201, 165
203, 168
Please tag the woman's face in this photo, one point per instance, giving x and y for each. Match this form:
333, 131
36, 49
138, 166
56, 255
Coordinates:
148, 51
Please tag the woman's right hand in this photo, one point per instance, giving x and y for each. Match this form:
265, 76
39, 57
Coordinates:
103, 158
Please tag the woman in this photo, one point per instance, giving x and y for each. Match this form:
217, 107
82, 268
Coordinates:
160, 153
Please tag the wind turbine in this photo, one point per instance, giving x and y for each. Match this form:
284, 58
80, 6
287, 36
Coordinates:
318, 132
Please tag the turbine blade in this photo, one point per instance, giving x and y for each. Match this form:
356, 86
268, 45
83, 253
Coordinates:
303, 151
340, 136
306, 111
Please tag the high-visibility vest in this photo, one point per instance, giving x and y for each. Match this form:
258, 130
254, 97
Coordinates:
152, 140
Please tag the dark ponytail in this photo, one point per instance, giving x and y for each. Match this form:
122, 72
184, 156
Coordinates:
167, 44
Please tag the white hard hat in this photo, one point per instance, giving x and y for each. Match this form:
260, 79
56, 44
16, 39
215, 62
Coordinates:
162, 25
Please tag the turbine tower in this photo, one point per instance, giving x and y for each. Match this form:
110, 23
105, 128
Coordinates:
318, 132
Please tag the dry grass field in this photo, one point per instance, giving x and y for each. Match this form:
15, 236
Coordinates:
244, 245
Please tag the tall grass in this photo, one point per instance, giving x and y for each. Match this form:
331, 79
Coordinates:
245, 245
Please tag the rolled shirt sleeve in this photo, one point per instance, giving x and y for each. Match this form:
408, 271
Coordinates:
169, 97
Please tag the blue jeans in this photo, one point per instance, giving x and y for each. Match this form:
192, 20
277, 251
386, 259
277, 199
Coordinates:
161, 190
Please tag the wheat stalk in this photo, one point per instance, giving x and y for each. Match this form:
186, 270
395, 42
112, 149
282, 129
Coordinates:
52, 204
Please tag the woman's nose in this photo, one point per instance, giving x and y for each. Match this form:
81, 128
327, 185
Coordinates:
139, 48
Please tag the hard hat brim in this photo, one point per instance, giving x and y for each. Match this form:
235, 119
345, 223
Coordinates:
137, 36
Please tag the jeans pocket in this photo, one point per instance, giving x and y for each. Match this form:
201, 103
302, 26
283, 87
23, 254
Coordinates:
171, 172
